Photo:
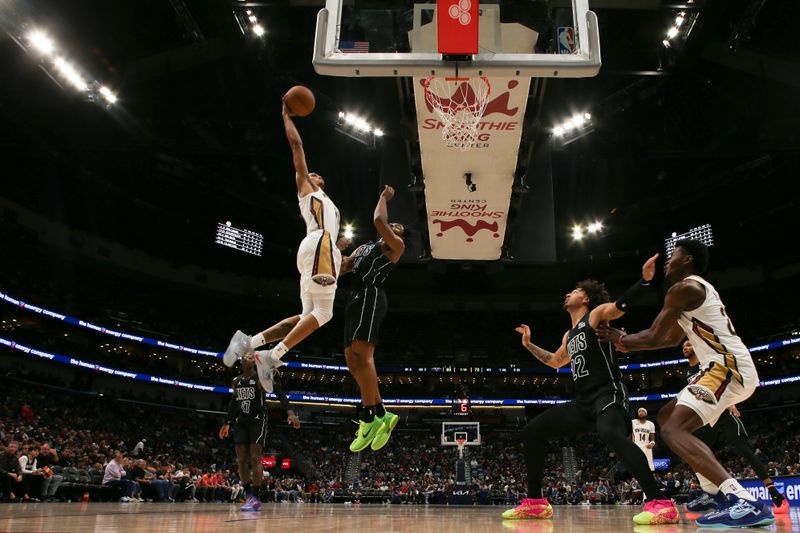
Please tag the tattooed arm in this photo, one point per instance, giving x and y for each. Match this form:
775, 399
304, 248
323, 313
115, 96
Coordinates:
551, 359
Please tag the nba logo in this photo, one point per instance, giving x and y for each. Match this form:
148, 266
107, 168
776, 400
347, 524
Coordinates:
566, 40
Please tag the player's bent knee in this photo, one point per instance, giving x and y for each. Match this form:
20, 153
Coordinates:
323, 314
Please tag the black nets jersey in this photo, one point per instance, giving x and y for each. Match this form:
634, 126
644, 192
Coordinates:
370, 267
249, 398
593, 364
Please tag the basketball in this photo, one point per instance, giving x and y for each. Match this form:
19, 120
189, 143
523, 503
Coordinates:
299, 100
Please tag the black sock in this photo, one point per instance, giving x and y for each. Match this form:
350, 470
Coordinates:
367, 414
380, 411
256, 491
777, 497
248, 488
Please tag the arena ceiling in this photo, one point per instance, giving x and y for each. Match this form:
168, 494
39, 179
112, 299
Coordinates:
702, 133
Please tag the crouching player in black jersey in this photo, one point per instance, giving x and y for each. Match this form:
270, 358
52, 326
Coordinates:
600, 404
247, 413
366, 308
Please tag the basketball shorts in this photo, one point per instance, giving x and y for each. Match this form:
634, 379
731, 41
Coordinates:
366, 308
727, 429
250, 430
318, 261
716, 388
593, 403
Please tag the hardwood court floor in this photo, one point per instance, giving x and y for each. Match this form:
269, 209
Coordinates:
316, 518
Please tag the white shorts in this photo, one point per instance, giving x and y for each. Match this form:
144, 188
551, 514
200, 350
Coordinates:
648, 452
318, 261
715, 389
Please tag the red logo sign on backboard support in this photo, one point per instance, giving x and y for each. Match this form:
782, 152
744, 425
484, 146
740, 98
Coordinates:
457, 22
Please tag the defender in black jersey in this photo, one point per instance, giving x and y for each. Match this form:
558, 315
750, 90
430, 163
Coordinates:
600, 404
729, 431
247, 414
366, 308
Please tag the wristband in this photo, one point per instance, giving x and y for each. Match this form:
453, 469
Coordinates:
631, 294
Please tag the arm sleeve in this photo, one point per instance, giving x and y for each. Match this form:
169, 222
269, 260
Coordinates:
278, 390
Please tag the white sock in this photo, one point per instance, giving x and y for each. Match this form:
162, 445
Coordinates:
707, 485
280, 350
731, 486
257, 341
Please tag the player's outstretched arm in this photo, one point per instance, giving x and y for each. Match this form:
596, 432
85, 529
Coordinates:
292, 418
665, 331
607, 312
381, 220
304, 184
553, 360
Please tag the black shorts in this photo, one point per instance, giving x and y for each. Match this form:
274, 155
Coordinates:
595, 402
366, 308
250, 430
727, 430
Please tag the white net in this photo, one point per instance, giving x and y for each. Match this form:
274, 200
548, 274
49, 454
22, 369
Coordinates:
460, 103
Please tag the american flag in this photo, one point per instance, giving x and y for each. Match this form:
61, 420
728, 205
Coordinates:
354, 47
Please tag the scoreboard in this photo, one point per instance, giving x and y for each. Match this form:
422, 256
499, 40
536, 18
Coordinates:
461, 407
243, 240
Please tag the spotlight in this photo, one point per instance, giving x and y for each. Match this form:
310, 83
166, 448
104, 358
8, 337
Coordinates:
350, 119
672, 32
679, 20
70, 74
252, 18
587, 116
41, 42
568, 125
258, 30
110, 97
341, 114
578, 120
558, 131
348, 231
665, 43
594, 227
577, 232
378, 132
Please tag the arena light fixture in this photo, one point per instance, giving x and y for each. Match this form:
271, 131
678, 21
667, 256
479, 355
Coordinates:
109, 96
70, 73
41, 42
577, 232
594, 227
573, 128
66, 73
348, 231
358, 128
259, 30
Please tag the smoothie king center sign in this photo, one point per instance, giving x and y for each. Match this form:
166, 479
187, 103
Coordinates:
465, 224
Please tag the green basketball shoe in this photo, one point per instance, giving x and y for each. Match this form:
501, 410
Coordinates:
389, 422
367, 431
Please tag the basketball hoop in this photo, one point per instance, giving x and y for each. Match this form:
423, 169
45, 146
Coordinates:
460, 103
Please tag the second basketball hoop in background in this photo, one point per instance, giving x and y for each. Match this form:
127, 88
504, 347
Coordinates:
460, 104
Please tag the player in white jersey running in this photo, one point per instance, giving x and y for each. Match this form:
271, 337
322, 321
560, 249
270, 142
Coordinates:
644, 435
318, 262
693, 308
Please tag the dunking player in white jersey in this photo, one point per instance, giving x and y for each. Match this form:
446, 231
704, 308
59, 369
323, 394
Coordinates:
693, 308
644, 435
318, 262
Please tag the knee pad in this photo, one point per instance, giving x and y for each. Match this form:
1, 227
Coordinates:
323, 310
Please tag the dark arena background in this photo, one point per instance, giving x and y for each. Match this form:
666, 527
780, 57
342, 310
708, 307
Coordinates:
148, 210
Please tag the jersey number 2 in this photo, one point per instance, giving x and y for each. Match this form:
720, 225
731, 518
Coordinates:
578, 364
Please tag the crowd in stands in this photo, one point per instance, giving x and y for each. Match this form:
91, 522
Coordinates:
57, 445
